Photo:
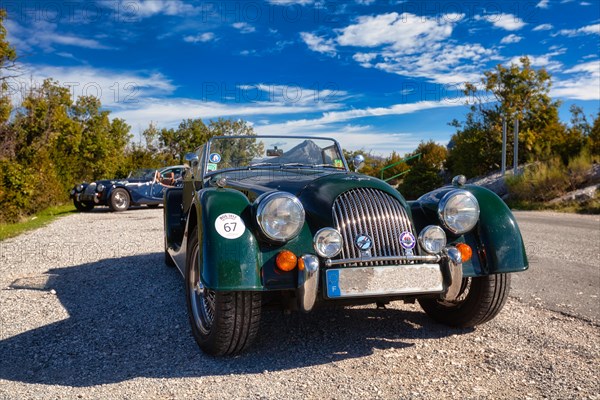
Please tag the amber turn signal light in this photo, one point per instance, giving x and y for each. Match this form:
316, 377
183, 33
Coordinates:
301, 264
286, 260
465, 251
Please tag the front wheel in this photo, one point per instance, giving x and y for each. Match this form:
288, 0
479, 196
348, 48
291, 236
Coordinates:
480, 299
223, 323
119, 200
83, 206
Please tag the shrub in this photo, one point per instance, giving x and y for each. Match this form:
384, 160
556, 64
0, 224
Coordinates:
539, 182
420, 180
579, 167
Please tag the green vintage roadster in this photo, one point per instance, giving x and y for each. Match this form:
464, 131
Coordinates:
264, 220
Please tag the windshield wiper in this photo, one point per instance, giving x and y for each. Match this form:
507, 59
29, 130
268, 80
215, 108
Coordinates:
327, 166
261, 164
295, 164
310, 165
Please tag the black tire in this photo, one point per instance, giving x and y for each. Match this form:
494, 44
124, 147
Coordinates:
153, 205
479, 301
119, 200
223, 323
83, 206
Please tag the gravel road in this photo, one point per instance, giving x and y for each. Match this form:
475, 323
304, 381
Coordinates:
564, 258
88, 310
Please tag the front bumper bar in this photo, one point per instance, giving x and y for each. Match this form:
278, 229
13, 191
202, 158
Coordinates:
308, 276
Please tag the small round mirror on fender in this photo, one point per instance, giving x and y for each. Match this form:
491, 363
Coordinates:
192, 158
358, 161
459, 180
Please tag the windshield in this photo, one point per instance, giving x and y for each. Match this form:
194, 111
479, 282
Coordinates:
272, 152
142, 173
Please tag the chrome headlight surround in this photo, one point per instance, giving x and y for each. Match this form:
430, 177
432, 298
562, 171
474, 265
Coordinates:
458, 211
100, 188
280, 216
328, 242
432, 239
79, 188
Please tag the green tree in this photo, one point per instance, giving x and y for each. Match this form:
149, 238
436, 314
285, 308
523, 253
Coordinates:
425, 172
190, 134
103, 142
421, 179
396, 169
521, 92
373, 163
235, 152
594, 137
8, 54
432, 154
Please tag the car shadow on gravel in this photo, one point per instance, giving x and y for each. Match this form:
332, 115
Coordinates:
127, 319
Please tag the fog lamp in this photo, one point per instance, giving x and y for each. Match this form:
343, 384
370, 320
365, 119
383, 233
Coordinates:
328, 242
432, 239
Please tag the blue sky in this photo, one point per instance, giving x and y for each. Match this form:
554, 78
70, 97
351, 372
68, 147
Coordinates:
377, 75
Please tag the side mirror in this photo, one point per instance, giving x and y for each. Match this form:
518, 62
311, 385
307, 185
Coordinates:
192, 158
358, 162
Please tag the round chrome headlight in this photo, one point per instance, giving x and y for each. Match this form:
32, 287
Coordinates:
79, 188
459, 211
100, 188
328, 242
432, 239
280, 215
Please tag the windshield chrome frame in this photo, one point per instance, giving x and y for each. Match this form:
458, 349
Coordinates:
208, 145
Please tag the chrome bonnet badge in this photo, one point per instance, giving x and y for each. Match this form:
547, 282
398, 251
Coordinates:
363, 242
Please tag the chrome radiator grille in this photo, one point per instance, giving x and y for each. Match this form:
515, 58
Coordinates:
366, 211
90, 190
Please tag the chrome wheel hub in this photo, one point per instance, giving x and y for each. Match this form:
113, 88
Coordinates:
120, 200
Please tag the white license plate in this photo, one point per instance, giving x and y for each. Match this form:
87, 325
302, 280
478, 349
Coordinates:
377, 281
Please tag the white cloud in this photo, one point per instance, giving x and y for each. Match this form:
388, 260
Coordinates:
244, 27
512, 38
201, 37
332, 117
138, 9
114, 88
319, 44
543, 61
505, 21
294, 95
354, 137
169, 112
583, 85
445, 64
586, 30
365, 2
542, 4
402, 32
364, 59
585, 3
410, 45
43, 34
290, 2
543, 27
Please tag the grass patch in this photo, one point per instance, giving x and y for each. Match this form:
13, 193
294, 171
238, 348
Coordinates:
35, 221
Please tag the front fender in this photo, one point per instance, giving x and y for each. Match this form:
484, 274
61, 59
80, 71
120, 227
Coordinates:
227, 264
496, 240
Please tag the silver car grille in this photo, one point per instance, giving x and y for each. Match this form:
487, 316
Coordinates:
366, 211
90, 189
